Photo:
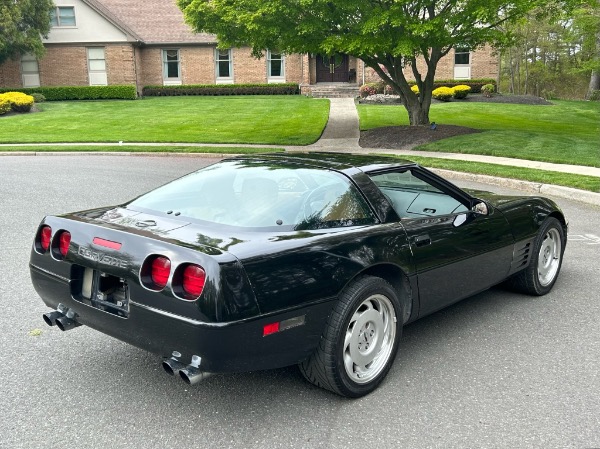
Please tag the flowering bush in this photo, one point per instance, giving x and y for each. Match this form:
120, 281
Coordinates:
4, 105
19, 102
388, 90
461, 91
415, 89
443, 93
368, 89
488, 90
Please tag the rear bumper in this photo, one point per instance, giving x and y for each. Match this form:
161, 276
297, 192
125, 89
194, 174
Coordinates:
224, 347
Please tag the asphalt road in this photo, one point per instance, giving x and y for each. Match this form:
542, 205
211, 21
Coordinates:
496, 370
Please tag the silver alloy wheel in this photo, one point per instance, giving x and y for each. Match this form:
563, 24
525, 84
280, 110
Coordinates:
369, 339
549, 257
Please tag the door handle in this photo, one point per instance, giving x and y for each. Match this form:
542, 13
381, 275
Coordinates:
422, 240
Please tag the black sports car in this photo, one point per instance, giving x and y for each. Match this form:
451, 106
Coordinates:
259, 262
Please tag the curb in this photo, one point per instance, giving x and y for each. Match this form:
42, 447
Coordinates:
569, 193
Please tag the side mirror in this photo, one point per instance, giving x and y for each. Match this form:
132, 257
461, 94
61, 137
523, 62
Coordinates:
480, 208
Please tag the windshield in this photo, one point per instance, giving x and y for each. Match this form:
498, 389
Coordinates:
261, 194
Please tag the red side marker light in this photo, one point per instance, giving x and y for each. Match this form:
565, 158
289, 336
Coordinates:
271, 328
107, 243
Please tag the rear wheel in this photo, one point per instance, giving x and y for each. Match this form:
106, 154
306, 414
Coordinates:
360, 340
541, 274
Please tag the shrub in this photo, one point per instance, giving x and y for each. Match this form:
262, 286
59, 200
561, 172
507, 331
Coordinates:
19, 102
83, 92
474, 84
461, 91
4, 105
488, 90
38, 98
368, 89
443, 93
388, 90
415, 89
221, 89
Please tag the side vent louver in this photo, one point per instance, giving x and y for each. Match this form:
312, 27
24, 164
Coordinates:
521, 256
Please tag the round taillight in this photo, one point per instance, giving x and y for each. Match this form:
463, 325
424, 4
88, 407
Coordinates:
193, 280
160, 271
45, 236
64, 240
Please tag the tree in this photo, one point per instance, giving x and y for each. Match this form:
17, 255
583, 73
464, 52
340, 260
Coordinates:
555, 51
587, 27
22, 25
388, 35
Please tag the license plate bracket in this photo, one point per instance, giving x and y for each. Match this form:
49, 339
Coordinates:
102, 291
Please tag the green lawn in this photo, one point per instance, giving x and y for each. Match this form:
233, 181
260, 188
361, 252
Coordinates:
275, 120
582, 182
140, 149
567, 132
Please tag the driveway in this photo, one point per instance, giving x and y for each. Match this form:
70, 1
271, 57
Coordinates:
496, 370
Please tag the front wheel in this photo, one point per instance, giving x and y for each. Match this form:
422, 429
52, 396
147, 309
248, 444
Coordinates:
541, 274
360, 340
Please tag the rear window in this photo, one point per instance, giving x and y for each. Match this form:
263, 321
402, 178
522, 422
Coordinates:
250, 194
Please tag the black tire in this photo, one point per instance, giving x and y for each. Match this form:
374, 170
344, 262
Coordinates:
548, 249
365, 326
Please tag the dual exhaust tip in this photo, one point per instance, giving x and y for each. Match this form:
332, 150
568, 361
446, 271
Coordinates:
190, 374
62, 317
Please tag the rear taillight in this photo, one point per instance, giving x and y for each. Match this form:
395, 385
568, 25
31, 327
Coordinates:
187, 279
160, 271
64, 240
44, 238
193, 281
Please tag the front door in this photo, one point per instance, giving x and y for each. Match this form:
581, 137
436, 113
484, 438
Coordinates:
332, 69
456, 252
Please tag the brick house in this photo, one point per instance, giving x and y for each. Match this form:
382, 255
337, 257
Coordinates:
146, 42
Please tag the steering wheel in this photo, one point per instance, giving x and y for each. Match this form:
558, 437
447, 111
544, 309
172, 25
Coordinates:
318, 199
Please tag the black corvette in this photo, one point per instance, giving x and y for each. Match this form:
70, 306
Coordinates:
265, 261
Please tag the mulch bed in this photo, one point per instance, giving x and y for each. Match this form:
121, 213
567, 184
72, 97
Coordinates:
407, 137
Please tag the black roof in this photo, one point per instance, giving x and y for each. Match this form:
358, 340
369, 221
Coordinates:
335, 161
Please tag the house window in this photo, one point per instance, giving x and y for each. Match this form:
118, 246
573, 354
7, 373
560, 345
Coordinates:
30, 71
171, 67
462, 63
275, 66
63, 16
97, 66
224, 66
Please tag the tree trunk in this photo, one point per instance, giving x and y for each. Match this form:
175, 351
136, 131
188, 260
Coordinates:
594, 86
418, 114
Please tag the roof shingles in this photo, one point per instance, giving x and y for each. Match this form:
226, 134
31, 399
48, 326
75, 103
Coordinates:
152, 21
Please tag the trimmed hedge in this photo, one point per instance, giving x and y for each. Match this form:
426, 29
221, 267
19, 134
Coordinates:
221, 89
80, 92
19, 102
443, 93
380, 87
5, 105
474, 84
461, 91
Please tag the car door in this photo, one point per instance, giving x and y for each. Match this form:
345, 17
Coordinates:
457, 252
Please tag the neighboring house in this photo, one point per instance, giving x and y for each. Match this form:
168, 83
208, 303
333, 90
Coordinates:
146, 42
